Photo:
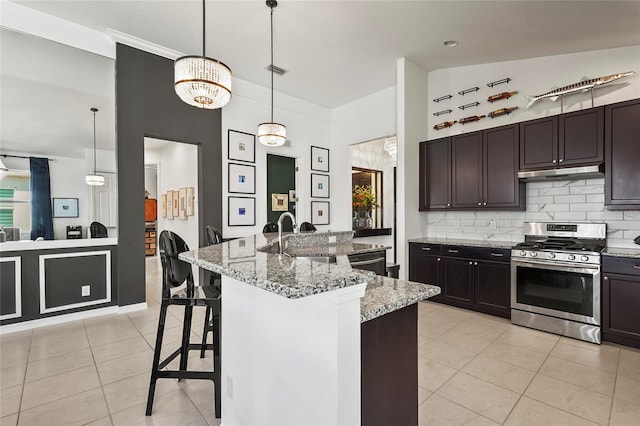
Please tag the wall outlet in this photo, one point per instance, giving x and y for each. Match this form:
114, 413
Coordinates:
493, 224
229, 386
332, 239
86, 290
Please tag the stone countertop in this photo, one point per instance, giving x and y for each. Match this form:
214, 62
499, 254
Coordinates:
251, 260
384, 295
622, 252
468, 243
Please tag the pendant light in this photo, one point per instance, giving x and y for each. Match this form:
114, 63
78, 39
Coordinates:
272, 134
94, 179
200, 81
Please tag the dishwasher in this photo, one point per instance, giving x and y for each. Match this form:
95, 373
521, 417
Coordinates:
373, 261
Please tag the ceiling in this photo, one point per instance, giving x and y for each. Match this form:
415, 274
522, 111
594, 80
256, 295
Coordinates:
335, 51
339, 51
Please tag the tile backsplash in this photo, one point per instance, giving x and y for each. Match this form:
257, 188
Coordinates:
555, 201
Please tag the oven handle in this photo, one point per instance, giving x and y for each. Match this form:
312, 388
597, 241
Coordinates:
556, 266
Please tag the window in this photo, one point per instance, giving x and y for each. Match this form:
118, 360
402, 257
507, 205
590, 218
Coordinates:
15, 200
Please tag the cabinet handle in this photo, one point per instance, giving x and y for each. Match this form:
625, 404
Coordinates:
636, 266
368, 262
561, 160
448, 204
497, 254
484, 204
438, 259
475, 263
479, 204
453, 251
470, 263
606, 278
554, 161
426, 248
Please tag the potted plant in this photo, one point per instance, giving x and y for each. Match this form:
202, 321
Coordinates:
363, 202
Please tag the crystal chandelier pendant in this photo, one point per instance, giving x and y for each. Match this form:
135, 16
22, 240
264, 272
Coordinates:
272, 134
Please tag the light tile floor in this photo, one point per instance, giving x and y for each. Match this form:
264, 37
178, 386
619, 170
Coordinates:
473, 369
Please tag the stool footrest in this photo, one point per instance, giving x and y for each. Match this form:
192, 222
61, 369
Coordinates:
178, 374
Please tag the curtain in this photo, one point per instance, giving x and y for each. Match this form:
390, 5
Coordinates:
41, 217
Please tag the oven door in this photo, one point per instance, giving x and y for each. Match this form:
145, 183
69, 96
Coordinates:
555, 289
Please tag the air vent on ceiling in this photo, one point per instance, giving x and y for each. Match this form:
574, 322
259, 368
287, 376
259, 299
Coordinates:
276, 69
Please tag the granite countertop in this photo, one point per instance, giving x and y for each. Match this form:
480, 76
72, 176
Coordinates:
384, 295
253, 260
622, 252
469, 243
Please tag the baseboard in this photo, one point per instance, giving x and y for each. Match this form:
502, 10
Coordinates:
61, 319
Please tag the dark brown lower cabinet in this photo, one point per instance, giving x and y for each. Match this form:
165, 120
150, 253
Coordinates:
493, 288
620, 301
477, 278
457, 286
389, 369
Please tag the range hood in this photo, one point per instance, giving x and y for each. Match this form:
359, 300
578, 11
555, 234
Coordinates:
566, 173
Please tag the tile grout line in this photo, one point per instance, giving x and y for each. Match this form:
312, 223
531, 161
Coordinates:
24, 378
615, 383
95, 365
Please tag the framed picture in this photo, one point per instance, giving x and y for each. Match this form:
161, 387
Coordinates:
242, 211
320, 212
191, 199
182, 204
169, 204
279, 202
241, 146
176, 204
319, 159
319, 186
242, 179
65, 207
163, 204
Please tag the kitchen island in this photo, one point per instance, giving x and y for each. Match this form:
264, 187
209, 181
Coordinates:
307, 342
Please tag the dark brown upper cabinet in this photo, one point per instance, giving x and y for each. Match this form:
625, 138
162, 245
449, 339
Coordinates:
622, 153
569, 139
435, 174
472, 171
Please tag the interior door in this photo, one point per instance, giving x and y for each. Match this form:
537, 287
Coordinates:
281, 179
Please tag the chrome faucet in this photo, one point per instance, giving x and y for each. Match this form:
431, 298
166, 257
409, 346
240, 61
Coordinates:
293, 222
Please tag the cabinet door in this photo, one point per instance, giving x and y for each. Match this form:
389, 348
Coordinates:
426, 270
502, 188
466, 152
457, 284
539, 143
493, 288
435, 174
620, 301
622, 151
581, 137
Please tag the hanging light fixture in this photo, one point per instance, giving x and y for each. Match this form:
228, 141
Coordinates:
200, 81
272, 134
94, 179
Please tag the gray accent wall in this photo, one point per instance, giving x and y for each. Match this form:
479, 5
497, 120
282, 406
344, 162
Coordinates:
148, 106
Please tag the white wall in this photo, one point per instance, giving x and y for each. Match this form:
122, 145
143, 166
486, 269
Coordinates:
307, 125
369, 118
413, 93
546, 201
532, 76
177, 168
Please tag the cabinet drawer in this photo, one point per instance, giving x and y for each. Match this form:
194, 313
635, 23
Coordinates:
457, 251
492, 254
425, 248
621, 265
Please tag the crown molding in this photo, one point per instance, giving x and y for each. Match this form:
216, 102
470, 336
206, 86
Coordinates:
147, 46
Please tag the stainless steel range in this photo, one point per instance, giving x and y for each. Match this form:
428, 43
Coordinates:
555, 278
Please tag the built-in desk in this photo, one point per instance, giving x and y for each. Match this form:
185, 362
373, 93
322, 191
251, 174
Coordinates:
40, 279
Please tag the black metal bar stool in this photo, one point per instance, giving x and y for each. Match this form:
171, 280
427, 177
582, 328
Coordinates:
174, 273
213, 237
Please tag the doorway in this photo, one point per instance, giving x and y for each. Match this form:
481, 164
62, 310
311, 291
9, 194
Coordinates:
281, 188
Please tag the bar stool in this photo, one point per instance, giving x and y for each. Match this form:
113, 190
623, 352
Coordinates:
270, 227
174, 273
306, 226
213, 237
